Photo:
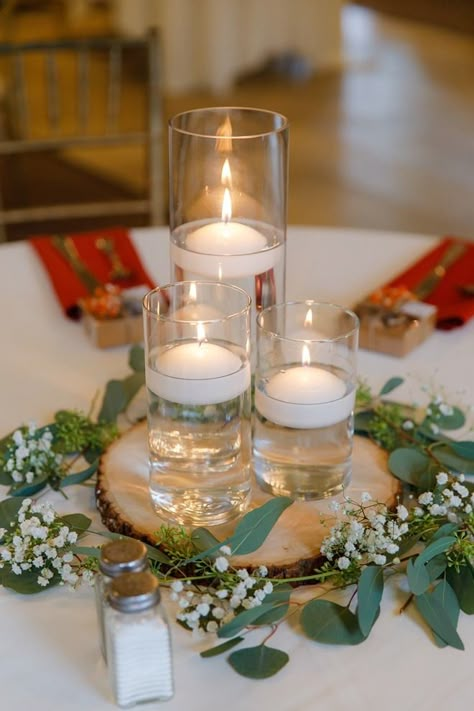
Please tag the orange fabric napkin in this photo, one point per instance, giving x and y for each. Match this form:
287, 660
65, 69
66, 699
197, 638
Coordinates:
68, 286
454, 309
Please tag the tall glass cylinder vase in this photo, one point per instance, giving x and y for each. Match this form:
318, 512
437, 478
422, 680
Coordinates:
228, 199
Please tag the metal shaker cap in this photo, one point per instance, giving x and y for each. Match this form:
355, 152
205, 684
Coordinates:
124, 555
133, 592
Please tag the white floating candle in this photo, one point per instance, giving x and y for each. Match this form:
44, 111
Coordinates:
305, 397
225, 249
197, 373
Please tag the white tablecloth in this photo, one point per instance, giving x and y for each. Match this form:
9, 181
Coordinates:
50, 659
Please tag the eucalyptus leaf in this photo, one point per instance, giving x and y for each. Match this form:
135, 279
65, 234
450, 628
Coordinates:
203, 539
462, 582
26, 583
88, 551
418, 578
153, 553
440, 545
408, 464
451, 422
252, 529
445, 530
242, 620
79, 477
445, 595
463, 449
114, 401
9, 511
453, 461
436, 567
136, 359
438, 620
279, 598
391, 385
76, 522
132, 385
369, 594
258, 662
221, 648
36, 485
329, 623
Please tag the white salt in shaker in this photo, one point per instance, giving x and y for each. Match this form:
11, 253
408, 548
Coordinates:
124, 555
137, 640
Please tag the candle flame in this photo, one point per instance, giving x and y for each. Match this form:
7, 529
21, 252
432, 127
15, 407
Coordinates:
305, 355
201, 333
226, 174
224, 136
192, 291
226, 206
308, 322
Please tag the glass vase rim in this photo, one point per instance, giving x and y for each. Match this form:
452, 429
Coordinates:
244, 311
310, 302
213, 136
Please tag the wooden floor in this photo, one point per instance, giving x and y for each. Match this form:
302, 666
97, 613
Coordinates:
385, 142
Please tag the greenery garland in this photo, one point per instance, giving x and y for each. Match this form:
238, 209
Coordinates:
431, 539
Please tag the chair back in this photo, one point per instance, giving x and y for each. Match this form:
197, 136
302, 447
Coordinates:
74, 95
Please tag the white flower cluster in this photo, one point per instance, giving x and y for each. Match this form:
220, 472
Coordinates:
31, 455
370, 534
38, 541
206, 610
446, 501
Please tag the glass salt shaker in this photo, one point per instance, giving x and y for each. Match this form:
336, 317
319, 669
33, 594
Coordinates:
137, 640
124, 555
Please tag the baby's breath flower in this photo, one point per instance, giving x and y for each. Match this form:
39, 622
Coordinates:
221, 564
442, 478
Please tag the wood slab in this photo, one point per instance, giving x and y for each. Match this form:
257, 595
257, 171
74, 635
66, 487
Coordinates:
293, 546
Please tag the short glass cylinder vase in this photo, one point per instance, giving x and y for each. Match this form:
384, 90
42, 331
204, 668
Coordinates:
197, 344
305, 384
228, 199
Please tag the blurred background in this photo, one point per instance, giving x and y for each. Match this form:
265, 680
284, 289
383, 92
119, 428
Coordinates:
379, 95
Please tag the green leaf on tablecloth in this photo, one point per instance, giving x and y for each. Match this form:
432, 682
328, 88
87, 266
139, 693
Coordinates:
242, 620
391, 385
132, 385
445, 595
369, 594
79, 477
26, 583
451, 422
36, 485
114, 401
453, 461
462, 582
326, 622
465, 450
437, 618
221, 648
418, 578
279, 598
77, 522
439, 545
136, 359
203, 539
412, 466
436, 567
252, 530
258, 662
9, 511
